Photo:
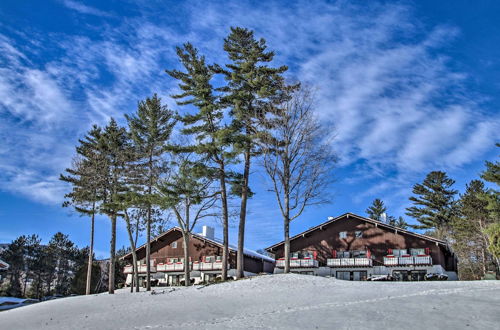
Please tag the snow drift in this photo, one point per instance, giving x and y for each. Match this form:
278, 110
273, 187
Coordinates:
275, 301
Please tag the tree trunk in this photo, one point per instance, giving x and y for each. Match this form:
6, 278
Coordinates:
287, 245
91, 253
225, 222
187, 270
148, 227
111, 285
135, 273
148, 251
243, 212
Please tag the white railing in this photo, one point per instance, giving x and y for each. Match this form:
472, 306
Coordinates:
349, 262
390, 261
196, 265
405, 260
410, 260
211, 265
144, 268
296, 263
423, 260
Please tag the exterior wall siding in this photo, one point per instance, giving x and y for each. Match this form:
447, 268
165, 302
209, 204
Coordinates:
377, 239
163, 248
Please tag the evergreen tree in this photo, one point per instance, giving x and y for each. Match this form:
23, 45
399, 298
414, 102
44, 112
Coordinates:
150, 128
188, 195
213, 137
376, 210
251, 86
14, 256
401, 223
86, 179
434, 204
63, 252
116, 147
492, 196
469, 240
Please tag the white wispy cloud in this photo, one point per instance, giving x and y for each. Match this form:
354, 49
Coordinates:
84, 9
396, 103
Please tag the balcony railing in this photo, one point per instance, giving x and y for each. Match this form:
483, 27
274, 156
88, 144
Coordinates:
349, 262
298, 263
407, 260
141, 269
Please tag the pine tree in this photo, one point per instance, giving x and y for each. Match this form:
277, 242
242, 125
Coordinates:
213, 137
492, 174
492, 197
87, 185
469, 240
187, 193
251, 85
150, 128
63, 252
401, 223
14, 255
434, 204
376, 210
116, 147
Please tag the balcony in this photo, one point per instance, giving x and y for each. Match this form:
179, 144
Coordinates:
298, 263
217, 265
349, 262
141, 269
408, 260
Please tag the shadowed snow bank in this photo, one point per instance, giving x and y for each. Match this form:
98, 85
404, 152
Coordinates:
275, 301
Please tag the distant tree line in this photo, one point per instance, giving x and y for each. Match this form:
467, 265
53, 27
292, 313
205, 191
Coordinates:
197, 162
469, 222
37, 270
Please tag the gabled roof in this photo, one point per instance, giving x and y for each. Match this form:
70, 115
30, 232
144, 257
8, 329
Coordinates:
358, 217
246, 252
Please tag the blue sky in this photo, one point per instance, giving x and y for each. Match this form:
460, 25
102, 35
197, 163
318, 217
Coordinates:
406, 86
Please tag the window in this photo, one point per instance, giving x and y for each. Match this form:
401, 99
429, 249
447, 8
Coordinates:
358, 234
359, 254
210, 259
343, 234
294, 255
174, 245
218, 258
416, 252
400, 252
343, 254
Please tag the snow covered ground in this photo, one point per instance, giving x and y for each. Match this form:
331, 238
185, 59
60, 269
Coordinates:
278, 301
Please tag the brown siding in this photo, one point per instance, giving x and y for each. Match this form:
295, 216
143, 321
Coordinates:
375, 238
161, 249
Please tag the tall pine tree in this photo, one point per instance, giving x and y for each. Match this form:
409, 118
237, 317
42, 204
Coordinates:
150, 128
251, 86
213, 137
434, 203
86, 177
116, 147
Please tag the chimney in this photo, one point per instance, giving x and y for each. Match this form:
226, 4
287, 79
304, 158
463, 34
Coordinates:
208, 232
383, 217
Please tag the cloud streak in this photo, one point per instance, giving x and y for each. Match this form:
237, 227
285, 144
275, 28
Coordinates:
383, 82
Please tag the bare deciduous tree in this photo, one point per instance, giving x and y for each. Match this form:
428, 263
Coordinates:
298, 158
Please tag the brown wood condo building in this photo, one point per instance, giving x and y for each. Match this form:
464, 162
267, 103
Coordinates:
352, 247
167, 258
